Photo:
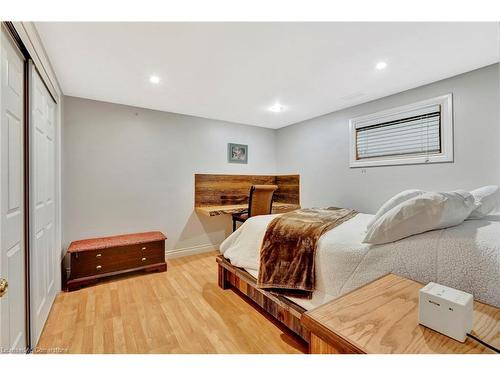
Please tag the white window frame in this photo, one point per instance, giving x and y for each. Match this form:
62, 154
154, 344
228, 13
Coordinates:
446, 154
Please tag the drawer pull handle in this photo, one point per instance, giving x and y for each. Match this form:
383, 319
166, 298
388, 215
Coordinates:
98, 255
143, 259
144, 248
98, 267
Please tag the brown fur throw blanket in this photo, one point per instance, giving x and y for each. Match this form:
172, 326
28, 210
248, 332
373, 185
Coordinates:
288, 248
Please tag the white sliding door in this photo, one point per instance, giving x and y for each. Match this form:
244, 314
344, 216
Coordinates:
12, 212
44, 255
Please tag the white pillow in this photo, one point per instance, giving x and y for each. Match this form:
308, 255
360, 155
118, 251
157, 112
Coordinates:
425, 212
393, 202
487, 198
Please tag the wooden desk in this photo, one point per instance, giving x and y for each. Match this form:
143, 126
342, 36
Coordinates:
226, 194
382, 317
239, 208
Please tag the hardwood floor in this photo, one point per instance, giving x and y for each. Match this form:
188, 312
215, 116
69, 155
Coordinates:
178, 311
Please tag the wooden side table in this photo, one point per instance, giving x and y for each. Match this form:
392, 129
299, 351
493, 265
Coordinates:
382, 317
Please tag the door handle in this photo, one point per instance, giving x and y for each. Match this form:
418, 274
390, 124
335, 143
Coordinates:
3, 287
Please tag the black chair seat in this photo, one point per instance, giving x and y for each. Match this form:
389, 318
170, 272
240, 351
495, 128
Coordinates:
241, 216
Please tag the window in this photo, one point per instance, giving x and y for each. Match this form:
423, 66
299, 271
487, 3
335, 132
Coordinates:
413, 134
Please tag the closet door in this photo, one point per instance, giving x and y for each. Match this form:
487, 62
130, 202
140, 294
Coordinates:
43, 255
12, 213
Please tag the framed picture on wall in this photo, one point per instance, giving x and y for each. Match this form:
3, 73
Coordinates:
237, 153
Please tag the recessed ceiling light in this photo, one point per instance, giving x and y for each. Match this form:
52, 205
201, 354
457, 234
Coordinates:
277, 108
381, 65
154, 79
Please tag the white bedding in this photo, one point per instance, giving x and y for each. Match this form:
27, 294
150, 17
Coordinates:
465, 257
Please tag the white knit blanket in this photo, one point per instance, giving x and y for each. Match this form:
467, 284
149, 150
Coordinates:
465, 257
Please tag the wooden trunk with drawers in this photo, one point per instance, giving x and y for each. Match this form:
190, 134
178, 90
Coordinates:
89, 260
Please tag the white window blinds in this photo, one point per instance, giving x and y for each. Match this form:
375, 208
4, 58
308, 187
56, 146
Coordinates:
415, 132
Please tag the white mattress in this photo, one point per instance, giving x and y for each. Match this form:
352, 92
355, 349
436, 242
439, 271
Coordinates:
465, 257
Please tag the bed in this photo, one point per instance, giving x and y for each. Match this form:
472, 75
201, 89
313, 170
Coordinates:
466, 257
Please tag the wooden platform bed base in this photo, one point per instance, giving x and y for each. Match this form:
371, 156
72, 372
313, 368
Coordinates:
280, 308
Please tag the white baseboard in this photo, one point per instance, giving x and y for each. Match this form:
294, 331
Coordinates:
176, 253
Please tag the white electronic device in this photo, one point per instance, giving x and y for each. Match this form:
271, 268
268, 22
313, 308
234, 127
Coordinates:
446, 310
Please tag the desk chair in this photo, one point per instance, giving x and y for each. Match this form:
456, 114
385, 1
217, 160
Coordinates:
260, 202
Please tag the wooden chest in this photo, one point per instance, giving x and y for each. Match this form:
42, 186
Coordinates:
87, 261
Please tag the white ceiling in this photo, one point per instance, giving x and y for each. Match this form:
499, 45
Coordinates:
235, 71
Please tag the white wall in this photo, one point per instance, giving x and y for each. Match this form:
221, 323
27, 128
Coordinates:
318, 148
127, 169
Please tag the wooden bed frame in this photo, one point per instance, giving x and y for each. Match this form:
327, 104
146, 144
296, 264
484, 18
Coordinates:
280, 308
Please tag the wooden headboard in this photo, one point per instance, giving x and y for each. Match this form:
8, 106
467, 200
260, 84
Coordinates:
227, 189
